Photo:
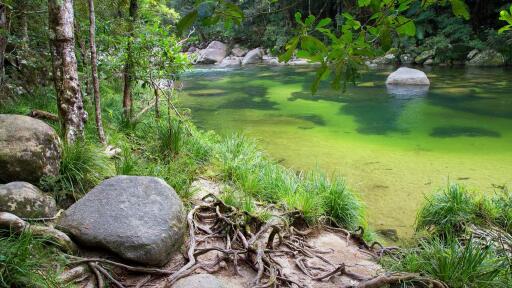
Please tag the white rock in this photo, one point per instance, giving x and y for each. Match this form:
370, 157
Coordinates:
407, 76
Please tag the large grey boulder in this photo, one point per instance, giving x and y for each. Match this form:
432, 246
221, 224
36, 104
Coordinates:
139, 218
199, 281
214, 53
29, 149
253, 57
407, 76
231, 61
26, 200
487, 58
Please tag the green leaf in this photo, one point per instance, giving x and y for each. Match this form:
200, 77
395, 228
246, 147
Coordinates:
363, 3
290, 48
298, 18
406, 26
460, 8
321, 73
186, 22
324, 22
312, 44
309, 20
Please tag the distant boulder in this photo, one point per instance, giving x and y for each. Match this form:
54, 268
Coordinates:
214, 53
231, 61
253, 57
424, 56
238, 51
26, 200
270, 60
407, 76
406, 58
29, 149
487, 58
137, 217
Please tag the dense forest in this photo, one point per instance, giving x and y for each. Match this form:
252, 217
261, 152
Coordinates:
105, 180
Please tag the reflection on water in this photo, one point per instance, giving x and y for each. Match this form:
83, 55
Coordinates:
393, 144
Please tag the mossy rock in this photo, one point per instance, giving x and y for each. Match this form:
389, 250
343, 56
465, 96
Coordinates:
29, 149
26, 200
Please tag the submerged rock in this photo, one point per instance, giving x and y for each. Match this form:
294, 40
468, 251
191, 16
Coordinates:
137, 217
253, 57
29, 149
199, 281
487, 58
407, 76
214, 53
26, 200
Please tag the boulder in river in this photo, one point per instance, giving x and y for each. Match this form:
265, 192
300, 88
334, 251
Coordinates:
139, 218
29, 149
238, 51
26, 200
199, 281
407, 76
231, 61
253, 57
487, 58
214, 53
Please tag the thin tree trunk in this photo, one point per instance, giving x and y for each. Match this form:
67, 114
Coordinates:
128, 68
94, 72
3, 41
157, 99
65, 72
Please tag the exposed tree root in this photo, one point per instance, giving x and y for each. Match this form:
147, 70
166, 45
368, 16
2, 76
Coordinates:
246, 240
44, 115
397, 278
14, 223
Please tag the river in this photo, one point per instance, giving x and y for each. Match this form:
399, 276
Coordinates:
393, 146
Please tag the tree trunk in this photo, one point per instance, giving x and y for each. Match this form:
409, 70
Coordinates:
128, 67
157, 99
3, 41
65, 72
94, 72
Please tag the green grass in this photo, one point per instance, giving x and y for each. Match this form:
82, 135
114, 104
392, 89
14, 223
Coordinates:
313, 194
459, 265
26, 262
83, 165
449, 211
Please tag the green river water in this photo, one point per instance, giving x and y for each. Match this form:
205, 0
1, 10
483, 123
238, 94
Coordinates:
393, 146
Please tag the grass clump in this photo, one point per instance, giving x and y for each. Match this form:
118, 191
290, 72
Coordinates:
459, 265
26, 262
447, 211
313, 194
83, 165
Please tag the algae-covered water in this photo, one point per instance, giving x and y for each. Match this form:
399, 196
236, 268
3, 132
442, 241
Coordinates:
392, 145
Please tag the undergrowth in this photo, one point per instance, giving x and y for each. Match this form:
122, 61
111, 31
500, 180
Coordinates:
25, 261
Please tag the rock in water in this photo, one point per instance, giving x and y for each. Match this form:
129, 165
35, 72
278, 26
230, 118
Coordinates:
26, 200
238, 51
407, 76
29, 149
214, 53
253, 57
424, 56
199, 281
231, 61
486, 58
137, 217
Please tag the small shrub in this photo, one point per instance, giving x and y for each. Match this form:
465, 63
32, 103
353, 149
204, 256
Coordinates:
447, 211
457, 265
338, 202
